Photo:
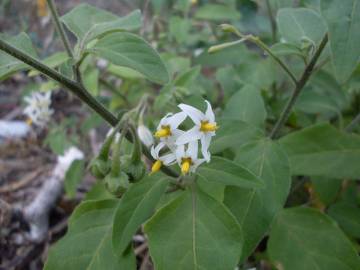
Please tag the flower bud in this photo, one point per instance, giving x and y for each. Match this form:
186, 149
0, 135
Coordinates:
99, 168
135, 169
117, 185
145, 135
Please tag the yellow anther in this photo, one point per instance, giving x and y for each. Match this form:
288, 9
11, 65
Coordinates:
163, 132
185, 165
207, 127
193, 2
29, 121
156, 166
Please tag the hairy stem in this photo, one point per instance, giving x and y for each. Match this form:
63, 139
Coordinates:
299, 86
74, 87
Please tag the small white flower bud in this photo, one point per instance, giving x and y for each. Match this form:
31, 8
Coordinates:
145, 135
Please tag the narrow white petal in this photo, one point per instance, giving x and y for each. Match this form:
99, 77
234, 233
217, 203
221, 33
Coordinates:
164, 120
189, 136
209, 112
158, 148
205, 142
180, 153
168, 159
193, 113
176, 119
196, 163
153, 153
192, 150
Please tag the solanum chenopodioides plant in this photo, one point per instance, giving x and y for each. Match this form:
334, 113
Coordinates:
212, 189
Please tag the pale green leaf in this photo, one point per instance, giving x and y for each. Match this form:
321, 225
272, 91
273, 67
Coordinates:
88, 22
134, 208
256, 208
322, 150
227, 172
343, 21
297, 25
52, 61
194, 232
129, 50
87, 244
303, 238
217, 13
246, 105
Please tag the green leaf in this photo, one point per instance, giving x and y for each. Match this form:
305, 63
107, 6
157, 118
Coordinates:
87, 244
348, 217
246, 105
134, 208
179, 28
88, 22
297, 25
256, 208
227, 172
285, 49
194, 231
231, 131
322, 150
73, 177
326, 189
303, 238
343, 21
217, 12
91, 80
9, 64
52, 61
129, 50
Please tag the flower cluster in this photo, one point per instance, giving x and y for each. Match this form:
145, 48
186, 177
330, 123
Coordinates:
182, 146
38, 108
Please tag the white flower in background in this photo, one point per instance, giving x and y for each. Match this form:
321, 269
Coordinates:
188, 158
166, 159
167, 130
204, 128
145, 135
64, 161
38, 108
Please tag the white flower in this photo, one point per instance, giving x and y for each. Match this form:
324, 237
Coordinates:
38, 108
188, 158
204, 128
167, 129
145, 135
64, 162
167, 159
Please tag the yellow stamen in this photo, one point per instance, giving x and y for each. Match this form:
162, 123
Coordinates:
156, 166
185, 165
163, 132
29, 121
208, 127
41, 8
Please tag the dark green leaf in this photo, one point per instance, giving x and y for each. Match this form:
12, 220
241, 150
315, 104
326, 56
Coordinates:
217, 13
256, 208
227, 172
322, 150
343, 21
129, 50
348, 217
194, 231
137, 205
73, 177
87, 244
303, 238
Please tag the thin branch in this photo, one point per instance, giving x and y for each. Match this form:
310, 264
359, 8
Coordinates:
61, 31
353, 123
76, 88
272, 20
299, 86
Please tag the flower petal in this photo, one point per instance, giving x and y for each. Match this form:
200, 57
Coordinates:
196, 163
180, 153
209, 112
168, 159
193, 113
192, 150
164, 120
175, 120
205, 142
153, 153
189, 136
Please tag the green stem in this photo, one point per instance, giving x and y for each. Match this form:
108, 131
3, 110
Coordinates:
76, 89
113, 90
263, 46
353, 123
299, 86
272, 20
135, 155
